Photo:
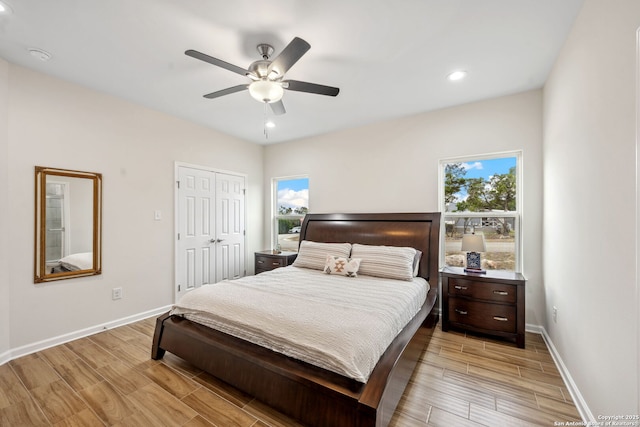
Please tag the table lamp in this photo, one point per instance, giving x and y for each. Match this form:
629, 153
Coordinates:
473, 244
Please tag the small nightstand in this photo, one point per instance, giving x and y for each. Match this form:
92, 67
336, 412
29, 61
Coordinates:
269, 260
491, 303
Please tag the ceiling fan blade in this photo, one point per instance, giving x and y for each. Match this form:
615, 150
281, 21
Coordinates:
289, 56
215, 61
299, 86
278, 108
226, 91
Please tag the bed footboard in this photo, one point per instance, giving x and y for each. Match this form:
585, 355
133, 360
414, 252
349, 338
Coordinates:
312, 395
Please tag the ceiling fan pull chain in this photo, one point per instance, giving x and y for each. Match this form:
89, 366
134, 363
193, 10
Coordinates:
264, 123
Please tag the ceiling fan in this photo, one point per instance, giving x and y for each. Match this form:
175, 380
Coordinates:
267, 76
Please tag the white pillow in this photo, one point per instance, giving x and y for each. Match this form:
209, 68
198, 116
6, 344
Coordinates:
314, 254
77, 262
416, 263
342, 266
391, 262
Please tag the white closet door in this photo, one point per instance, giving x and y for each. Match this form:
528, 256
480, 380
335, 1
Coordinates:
210, 222
230, 222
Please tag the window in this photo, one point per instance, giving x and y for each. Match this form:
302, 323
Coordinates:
291, 204
482, 195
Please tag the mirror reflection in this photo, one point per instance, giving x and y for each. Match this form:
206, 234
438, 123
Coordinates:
67, 224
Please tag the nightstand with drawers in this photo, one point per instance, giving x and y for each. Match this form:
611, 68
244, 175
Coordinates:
492, 303
270, 260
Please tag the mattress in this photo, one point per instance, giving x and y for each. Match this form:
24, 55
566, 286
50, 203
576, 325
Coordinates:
342, 324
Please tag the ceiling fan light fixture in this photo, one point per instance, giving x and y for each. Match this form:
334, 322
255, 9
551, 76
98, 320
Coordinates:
266, 91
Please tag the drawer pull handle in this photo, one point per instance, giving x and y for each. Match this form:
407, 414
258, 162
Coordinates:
275, 263
500, 318
462, 288
260, 262
457, 310
501, 292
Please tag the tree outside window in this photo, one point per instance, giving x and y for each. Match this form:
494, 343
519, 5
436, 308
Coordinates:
291, 204
480, 195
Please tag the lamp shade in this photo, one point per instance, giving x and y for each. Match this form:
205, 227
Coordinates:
266, 91
473, 243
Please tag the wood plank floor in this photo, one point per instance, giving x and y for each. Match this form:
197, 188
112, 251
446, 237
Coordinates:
109, 379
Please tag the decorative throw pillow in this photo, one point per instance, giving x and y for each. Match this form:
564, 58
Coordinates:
314, 254
390, 262
342, 266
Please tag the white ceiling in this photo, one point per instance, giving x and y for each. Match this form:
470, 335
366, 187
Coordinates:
389, 58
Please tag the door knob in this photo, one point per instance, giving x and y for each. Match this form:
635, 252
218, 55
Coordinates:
216, 240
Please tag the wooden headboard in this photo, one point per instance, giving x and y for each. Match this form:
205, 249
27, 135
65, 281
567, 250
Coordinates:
416, 230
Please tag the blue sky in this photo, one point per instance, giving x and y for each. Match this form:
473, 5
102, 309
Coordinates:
294, 184
488, 167
293, 192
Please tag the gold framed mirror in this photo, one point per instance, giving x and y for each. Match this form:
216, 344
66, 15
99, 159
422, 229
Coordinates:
68, 224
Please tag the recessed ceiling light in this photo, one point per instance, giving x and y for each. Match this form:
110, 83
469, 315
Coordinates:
4, 8
457, 75
39, 54
270, 124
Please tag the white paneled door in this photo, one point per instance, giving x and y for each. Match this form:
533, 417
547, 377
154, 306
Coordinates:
211, 228
229, 226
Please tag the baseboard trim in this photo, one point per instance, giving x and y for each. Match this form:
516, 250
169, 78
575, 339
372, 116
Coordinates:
578, 399
5, 357
61, 339
535, 329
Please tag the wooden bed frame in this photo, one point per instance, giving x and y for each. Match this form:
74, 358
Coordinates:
312, 395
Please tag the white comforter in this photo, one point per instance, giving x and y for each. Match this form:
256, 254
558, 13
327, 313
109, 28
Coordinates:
338, 323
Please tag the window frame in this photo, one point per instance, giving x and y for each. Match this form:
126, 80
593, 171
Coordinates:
517, 214
274, 207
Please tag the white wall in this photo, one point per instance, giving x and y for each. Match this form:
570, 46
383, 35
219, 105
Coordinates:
392, 166
589, 199
57, 124
4, 220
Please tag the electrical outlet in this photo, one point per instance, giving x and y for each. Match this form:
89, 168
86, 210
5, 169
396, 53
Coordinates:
555, 313
116, 293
